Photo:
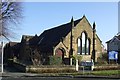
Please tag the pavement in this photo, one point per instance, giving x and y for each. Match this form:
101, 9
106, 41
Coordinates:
15, 74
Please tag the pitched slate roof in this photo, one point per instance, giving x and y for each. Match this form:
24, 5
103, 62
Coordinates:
51, 37
34, 40
118, 37
31, 40
15, 46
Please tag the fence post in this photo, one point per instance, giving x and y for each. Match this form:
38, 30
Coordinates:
92, 66
77, 65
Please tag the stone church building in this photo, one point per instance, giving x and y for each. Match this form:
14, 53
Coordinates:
74, 37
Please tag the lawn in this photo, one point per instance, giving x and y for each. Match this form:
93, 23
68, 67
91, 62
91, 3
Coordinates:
98, 73
105, 72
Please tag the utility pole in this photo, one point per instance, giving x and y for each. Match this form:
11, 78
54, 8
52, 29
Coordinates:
93, 52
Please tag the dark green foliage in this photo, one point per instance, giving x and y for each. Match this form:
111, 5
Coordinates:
55, 60
73, 60
105, 56
79, 57
103, 59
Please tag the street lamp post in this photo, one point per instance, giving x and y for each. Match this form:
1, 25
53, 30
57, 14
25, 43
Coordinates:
2, 51
2, 44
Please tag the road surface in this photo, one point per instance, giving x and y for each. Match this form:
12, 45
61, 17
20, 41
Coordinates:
52, 78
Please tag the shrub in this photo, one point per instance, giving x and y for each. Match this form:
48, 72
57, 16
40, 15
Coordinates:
55, 60
103, 59
79, 57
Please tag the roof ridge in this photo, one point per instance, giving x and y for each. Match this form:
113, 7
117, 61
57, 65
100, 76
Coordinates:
75, 21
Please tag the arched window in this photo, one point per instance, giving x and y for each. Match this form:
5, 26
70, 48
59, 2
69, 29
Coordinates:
79, 43
84, 44
88, 47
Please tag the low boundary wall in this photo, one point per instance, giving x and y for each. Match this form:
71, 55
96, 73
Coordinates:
45, 68
58, 68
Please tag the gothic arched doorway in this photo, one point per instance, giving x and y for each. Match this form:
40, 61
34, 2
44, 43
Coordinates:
60, 52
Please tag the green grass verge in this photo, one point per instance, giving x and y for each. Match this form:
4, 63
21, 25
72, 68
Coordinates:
98, 73
106, 72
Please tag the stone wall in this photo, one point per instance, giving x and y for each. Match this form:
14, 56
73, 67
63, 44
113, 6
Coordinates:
82, 26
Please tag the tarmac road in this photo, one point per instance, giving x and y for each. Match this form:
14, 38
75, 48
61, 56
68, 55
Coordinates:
52, 78
16, 75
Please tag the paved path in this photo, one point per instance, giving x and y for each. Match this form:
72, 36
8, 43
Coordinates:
31, 76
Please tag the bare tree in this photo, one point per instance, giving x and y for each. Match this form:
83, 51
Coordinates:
10, 15
35, 57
